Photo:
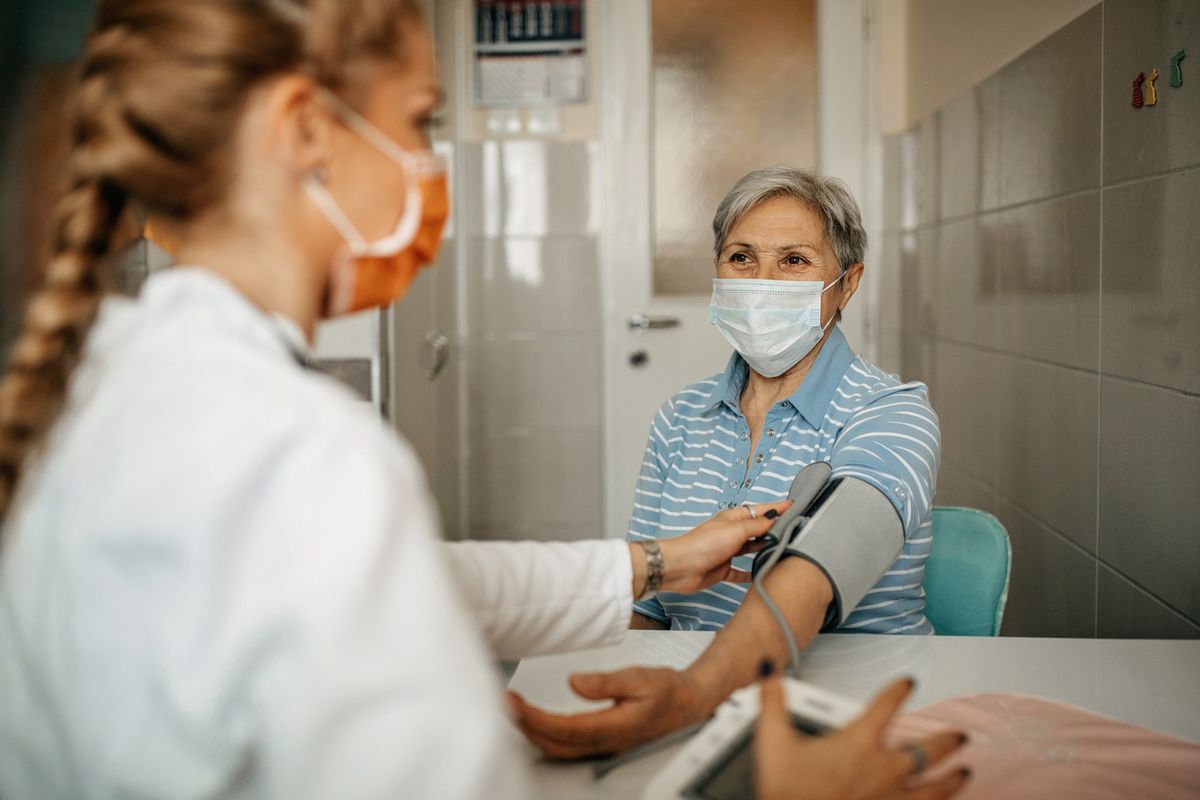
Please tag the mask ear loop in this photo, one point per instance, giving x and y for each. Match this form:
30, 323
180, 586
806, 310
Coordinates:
333, 212
832, 316
410, 220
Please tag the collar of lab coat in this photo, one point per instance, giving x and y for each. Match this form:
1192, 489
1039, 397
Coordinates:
180, 287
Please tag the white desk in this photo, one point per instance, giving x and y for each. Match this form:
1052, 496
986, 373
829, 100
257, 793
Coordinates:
1150, 683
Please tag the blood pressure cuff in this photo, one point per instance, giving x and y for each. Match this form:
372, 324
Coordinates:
852, 532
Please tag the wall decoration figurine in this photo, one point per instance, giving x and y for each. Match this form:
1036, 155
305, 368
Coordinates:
1137, 89
1176, 70
1151, 91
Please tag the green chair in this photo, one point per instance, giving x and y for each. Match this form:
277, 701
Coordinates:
966, 575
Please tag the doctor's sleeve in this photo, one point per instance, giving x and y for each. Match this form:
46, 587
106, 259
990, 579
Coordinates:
366, 677
647, 496
893, 443
531, 598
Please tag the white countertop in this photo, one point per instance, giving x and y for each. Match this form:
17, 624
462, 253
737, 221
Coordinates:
1145, 682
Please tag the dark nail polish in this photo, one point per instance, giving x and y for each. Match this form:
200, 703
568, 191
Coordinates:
765, 668
962, 739
771, 514
911, 681
965, 772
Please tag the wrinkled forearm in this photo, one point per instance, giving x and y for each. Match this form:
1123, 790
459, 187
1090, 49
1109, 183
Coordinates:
733, 659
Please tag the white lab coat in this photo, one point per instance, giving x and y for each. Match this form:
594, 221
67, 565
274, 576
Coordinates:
224, 578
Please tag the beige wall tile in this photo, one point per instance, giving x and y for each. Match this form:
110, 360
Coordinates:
960, 157
1045, 258
1151, 328
1049, 116
1149, 503
1052, 591
1047, 449
1140, 35
535, 382
965, 296
964, 391
533, 284
1127, 612
540, 483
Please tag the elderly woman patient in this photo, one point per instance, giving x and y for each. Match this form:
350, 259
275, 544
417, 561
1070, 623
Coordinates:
789, 251
789, 258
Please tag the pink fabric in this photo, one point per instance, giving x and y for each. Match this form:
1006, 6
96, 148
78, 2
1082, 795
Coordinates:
1025, 747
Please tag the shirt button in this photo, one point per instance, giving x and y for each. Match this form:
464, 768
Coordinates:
759, 458
748, 482
741, 460
770, 431
733, 484
744, 436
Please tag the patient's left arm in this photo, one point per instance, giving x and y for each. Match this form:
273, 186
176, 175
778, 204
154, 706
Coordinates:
650, 702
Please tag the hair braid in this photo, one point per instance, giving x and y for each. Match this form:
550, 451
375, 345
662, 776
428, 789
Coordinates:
60, 313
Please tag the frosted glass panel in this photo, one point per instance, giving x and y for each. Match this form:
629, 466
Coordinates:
734, 90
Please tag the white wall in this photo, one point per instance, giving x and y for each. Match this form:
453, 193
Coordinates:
846, 137
931, 51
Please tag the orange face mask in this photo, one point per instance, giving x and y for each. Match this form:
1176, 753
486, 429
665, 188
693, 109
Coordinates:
376, 274
368, 280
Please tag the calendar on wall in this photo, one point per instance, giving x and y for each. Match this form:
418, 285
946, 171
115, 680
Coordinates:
530, 52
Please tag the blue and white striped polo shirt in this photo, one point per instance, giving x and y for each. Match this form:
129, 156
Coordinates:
848, 412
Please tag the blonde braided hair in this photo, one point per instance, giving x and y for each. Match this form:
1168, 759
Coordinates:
161, 87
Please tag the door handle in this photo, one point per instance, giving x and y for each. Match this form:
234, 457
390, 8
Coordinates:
437, 353
643, 322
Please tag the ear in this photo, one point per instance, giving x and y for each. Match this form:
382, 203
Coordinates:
301, 127
850, 284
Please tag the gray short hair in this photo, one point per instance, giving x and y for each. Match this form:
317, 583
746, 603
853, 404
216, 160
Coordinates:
830, 198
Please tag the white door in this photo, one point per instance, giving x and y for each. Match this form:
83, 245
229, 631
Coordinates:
654, 343
643, 365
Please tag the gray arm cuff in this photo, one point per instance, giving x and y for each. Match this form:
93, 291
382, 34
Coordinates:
854, 536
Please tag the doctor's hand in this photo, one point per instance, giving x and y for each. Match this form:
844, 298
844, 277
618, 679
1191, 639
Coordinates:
648, 702
848, 764
701, 557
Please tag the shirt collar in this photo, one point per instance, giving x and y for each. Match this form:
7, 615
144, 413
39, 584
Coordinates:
815, 392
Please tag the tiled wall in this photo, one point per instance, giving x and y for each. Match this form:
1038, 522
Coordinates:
1042, 253
532, 346
509, 431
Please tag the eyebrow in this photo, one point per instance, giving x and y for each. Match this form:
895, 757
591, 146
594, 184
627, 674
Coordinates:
781, 249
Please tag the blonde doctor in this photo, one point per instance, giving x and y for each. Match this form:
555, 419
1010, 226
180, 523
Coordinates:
220, 576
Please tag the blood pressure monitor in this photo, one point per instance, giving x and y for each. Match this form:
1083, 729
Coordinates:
718, 762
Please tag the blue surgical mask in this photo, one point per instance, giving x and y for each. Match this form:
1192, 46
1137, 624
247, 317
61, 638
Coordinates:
772, 324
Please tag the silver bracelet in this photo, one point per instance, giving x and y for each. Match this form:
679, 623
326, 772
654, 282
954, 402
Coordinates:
654, 569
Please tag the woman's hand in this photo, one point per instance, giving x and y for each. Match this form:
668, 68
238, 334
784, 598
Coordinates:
849, 764
648, 702
701, 556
